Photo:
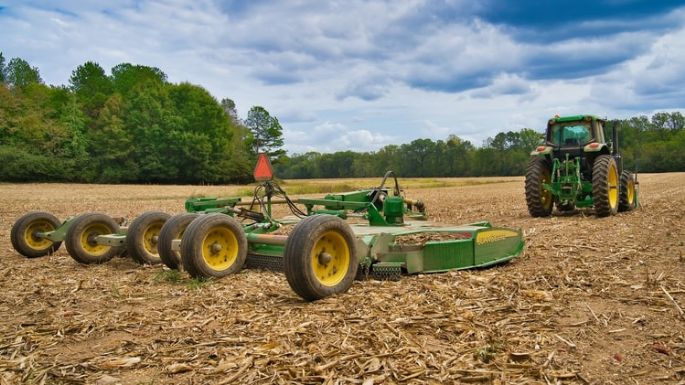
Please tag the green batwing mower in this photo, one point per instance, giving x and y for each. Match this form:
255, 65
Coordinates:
322, 247
577, 167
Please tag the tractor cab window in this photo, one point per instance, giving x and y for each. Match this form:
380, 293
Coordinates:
570, 134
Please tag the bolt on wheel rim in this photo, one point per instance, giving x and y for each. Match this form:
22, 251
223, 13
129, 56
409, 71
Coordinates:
151, 237
330, 258
31, 234
220, 248
89, 239
612, 182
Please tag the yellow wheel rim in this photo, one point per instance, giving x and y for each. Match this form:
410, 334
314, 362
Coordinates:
612, 182
631, 192
220, 248
31, 238
88, 241
330, 258
151, 237
545, 196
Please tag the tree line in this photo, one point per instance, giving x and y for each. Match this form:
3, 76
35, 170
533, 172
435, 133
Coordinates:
129, 126
134, 126
655, 144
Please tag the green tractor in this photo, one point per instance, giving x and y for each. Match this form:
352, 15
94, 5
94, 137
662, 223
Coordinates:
577, 167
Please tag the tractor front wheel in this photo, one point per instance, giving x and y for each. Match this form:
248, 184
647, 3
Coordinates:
213, 245
25, 236
605, 186
320, 257
142, 237
627, 196
173, 229
81, 239
539, 200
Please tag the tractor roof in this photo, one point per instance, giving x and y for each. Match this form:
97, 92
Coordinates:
574, 118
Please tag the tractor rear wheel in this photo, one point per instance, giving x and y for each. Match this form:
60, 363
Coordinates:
142, 237
81, 239
605, 185
539, 201
173, 229
24, 234
320, 257
626, 200
213, 245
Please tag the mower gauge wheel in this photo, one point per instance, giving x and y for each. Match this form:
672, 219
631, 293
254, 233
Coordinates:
173, 229
81, 239
320, 257
142, 237
24, 234
213, 245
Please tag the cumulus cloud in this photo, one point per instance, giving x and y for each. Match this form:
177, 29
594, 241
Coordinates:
504, 84
331, 136
383, 71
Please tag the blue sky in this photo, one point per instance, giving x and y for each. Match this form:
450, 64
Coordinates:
359, 75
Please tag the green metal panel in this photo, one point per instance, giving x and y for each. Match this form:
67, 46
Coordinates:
496, 245
446, 255
393, 209
574, 118
60, 233
201, 204
264, 249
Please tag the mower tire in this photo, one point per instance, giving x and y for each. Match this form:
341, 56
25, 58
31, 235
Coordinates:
173, 229
23, 234
213, 245
81, 238
605, 186
142, 237
320, 257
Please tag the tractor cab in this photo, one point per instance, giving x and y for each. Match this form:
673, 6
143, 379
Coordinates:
572, 134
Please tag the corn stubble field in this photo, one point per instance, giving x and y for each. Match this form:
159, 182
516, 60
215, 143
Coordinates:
591, 301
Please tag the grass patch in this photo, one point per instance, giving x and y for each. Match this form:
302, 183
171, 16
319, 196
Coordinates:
198, 283
171, 276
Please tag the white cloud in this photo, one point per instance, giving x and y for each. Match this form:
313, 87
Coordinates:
359, 74
330, 137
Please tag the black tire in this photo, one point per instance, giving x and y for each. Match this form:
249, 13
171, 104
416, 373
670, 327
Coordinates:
540, 201
309, 276
213, 245
173, 229
628, 194
142, 237
605, 187
23, 234
80, 238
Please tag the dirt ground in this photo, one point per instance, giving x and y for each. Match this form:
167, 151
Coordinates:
590, 301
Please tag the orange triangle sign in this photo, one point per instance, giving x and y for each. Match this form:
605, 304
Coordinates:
263, 170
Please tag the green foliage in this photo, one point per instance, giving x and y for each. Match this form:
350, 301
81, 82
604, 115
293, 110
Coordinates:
171, 276
2, 68
198, 283
267, 133
131, 126
20, 74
